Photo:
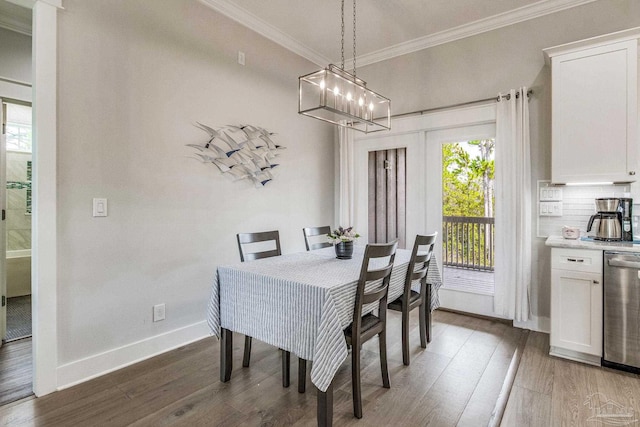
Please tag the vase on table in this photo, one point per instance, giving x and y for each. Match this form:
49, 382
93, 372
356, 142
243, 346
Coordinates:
344, 250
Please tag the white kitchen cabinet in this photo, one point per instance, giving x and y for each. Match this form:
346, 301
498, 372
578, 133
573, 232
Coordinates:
576, 304
594, 88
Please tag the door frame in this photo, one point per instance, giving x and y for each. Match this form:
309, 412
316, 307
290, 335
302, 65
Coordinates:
44, 274
3, 225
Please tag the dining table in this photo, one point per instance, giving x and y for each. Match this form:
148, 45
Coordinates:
300, 302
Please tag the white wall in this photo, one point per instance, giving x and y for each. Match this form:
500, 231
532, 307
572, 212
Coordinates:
15, 65
133, 79
15, 56
481, 66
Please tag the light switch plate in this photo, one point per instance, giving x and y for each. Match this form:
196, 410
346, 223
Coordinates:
550, 209
549, 194
100, 207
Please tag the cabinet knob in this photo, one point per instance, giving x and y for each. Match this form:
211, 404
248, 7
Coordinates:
632, 172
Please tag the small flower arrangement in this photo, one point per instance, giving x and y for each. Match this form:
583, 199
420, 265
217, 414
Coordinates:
341, 235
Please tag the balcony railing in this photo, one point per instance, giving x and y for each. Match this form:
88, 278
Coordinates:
468, 242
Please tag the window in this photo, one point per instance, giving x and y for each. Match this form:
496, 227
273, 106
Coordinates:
19, 134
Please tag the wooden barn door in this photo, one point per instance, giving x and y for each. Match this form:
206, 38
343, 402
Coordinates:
387, 196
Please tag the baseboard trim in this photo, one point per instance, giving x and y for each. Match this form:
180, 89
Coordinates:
576, 356
479, 316
535, 323
82, 370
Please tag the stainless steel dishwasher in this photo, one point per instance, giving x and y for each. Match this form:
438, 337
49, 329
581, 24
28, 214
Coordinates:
622, 310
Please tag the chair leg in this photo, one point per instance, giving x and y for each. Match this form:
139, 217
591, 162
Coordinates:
247, 351
355, 381
405, 337
302, 375
428, 311
382, 339
423, 325
286, 368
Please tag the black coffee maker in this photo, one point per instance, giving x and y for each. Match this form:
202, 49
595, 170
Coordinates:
624, 210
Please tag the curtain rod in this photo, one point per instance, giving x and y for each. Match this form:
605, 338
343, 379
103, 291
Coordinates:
462, 104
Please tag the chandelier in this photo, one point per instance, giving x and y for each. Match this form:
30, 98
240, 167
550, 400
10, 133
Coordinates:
339, 97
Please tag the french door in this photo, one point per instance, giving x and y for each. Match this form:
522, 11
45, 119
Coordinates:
3, 231
460, 207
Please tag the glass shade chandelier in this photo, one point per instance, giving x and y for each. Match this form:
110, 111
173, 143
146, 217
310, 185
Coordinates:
339, 97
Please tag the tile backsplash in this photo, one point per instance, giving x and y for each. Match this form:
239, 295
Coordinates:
18, 201
578, 204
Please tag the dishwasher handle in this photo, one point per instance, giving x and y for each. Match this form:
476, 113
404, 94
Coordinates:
616, 262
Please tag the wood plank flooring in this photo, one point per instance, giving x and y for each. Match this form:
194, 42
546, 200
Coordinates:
15, 370
549, 391
454, 381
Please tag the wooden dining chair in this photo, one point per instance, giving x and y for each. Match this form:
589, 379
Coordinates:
373, 286
248, 252
410, 299
311, 232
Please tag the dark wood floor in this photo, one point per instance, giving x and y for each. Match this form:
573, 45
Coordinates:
15, 370
549, 391
455, 381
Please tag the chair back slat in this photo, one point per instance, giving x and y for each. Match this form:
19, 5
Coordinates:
378, 273
245, 239
419, 263
419, 274
423, 257
310, 232
373, 296
368, 275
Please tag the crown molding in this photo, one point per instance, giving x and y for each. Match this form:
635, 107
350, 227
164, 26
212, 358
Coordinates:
535, 10
242, 16
525, 13
12, 24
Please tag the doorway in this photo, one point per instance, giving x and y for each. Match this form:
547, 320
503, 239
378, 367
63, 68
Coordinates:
460, 165
15, 317
17, 169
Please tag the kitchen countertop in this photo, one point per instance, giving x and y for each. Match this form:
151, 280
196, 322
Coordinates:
560, 242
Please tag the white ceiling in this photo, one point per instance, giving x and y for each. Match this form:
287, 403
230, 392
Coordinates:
385, 28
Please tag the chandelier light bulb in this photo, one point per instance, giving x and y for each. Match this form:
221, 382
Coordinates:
361, 102
322, 85
371, 106
348, 96
336, 91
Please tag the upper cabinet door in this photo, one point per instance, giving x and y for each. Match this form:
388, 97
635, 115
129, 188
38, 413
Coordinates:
595, 113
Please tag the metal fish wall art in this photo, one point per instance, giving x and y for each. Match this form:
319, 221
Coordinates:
240, 152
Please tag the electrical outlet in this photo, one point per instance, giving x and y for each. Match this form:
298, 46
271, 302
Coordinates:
158, 312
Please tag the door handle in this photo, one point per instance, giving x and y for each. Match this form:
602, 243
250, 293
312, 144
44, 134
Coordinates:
615, 262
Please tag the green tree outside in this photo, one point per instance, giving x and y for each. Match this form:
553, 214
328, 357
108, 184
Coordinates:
468, 176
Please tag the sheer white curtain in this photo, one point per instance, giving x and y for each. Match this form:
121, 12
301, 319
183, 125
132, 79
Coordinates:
346, 202
513, 207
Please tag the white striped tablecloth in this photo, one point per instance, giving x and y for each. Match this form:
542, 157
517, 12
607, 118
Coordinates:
300, 302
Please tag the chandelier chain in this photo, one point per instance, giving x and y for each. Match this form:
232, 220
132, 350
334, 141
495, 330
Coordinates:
354, 38
342, 36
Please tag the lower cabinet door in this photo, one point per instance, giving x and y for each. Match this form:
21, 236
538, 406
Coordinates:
576, 311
